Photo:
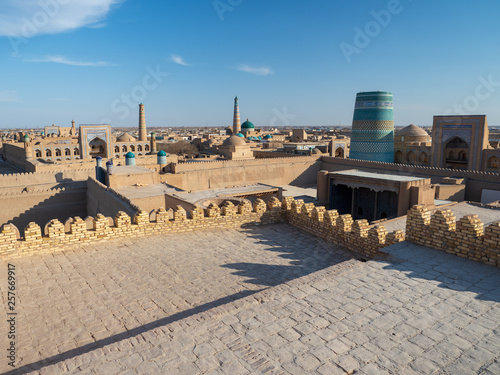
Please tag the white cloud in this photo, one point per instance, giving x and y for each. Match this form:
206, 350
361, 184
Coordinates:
28, 18
262, 71
66, 61
8, 97
179, 60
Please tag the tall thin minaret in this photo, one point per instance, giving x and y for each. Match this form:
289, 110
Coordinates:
143, 135
236, 118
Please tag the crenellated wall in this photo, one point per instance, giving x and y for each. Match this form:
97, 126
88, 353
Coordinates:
56, 238
357, 236
466, 238
48, 177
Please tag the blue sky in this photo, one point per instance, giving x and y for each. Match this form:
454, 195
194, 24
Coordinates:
290, 62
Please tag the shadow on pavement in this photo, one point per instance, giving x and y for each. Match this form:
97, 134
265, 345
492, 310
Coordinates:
128, 334
451, 271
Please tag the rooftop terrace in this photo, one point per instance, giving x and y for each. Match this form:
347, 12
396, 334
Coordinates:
250, 300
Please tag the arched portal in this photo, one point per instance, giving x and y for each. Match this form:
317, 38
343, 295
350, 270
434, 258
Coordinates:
339, 152
398, 156
410, 157
456, 152
97, 148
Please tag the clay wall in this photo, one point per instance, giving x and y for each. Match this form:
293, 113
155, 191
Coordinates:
52, 178
15, 154
466, 238
104, 200
221, 174
450, 192
41, 204
172, 202
149, 204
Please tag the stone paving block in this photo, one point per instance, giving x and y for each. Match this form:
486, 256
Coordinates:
465, 339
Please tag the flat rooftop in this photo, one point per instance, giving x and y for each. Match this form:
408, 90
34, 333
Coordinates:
195, 196
266, 299
129, 169
377, 176
144, 191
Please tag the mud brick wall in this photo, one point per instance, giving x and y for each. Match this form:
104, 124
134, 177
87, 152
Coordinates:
57, 236
466, 238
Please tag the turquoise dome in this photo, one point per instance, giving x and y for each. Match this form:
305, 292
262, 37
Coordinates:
240, 135
247, 125
269, 136
129, 155
162, 153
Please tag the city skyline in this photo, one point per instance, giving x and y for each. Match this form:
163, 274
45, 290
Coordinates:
289, 64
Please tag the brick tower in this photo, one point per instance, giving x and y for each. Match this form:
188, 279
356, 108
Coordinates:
236, 118
143, 136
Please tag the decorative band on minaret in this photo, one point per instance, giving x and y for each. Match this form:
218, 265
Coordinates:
143, 135
236, 118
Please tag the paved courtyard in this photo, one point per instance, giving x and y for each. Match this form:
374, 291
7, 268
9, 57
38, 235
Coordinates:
253, 300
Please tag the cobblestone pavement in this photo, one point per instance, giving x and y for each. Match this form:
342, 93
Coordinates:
70, 299
419, 312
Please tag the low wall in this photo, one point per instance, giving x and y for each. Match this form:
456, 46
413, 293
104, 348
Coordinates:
357, 236
58, 239
104, 200
466, 238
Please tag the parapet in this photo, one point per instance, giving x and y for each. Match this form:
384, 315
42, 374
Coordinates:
58, 236
466, 238
342, 230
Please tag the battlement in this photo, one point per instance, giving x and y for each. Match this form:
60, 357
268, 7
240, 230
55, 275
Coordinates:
45, 177
466, 238
357, 236
410, 168
58, 236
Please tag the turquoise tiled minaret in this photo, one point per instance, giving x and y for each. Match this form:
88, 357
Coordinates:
372, 135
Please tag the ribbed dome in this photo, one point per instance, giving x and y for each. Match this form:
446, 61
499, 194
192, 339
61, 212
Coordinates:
247, 125
125, 137
412, 130
234, 140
